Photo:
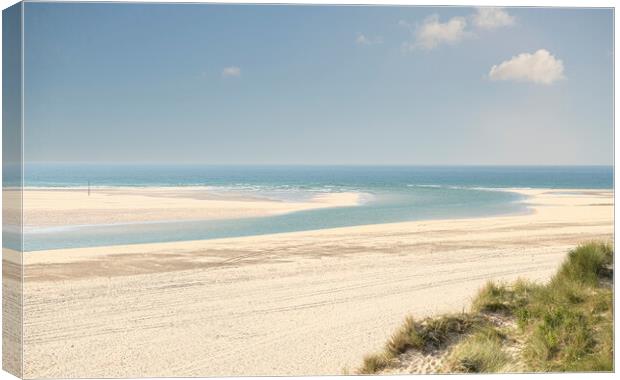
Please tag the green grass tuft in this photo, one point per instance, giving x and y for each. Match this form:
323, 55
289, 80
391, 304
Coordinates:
586, 265
375, 363
481, 352
429, 334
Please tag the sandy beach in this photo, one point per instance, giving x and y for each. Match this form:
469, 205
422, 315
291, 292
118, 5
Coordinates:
66, 206
303, 303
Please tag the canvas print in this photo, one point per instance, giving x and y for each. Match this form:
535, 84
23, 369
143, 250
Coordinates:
249, 190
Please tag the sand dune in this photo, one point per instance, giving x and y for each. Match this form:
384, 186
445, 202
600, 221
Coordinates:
287, 304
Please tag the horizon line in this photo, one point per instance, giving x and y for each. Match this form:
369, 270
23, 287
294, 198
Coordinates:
171, 163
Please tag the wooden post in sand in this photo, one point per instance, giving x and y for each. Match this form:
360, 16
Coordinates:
89, 188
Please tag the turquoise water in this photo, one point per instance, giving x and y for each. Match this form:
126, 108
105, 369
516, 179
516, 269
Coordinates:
389, 194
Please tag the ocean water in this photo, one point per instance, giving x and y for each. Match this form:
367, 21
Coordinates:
388, 193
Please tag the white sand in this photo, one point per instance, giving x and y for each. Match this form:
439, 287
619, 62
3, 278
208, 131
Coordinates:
303, 303
65, 206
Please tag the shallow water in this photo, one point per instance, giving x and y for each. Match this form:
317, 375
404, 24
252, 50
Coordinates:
389, 194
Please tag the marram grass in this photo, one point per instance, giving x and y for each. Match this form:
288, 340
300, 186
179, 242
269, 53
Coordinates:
565, 325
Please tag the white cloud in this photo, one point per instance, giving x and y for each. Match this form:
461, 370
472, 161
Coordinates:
492, 18
540, 67
363, 40
231, 71
431, 33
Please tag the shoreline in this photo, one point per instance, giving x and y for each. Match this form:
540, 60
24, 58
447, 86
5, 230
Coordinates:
70, 207
529, 194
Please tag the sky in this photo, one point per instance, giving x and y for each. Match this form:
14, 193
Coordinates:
262, 84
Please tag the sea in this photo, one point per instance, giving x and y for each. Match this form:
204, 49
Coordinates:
387, 193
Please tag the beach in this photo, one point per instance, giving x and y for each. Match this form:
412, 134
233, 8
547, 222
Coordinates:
50, 207
300, 303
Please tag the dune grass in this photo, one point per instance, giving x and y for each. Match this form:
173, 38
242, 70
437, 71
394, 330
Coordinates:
425, 336
564, 325
482, 351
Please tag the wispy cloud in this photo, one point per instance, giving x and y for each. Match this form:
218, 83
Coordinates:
432, 33
364, 40
231, 71
540, 67
492, 18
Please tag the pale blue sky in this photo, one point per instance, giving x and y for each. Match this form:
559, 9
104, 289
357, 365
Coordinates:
224, 84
